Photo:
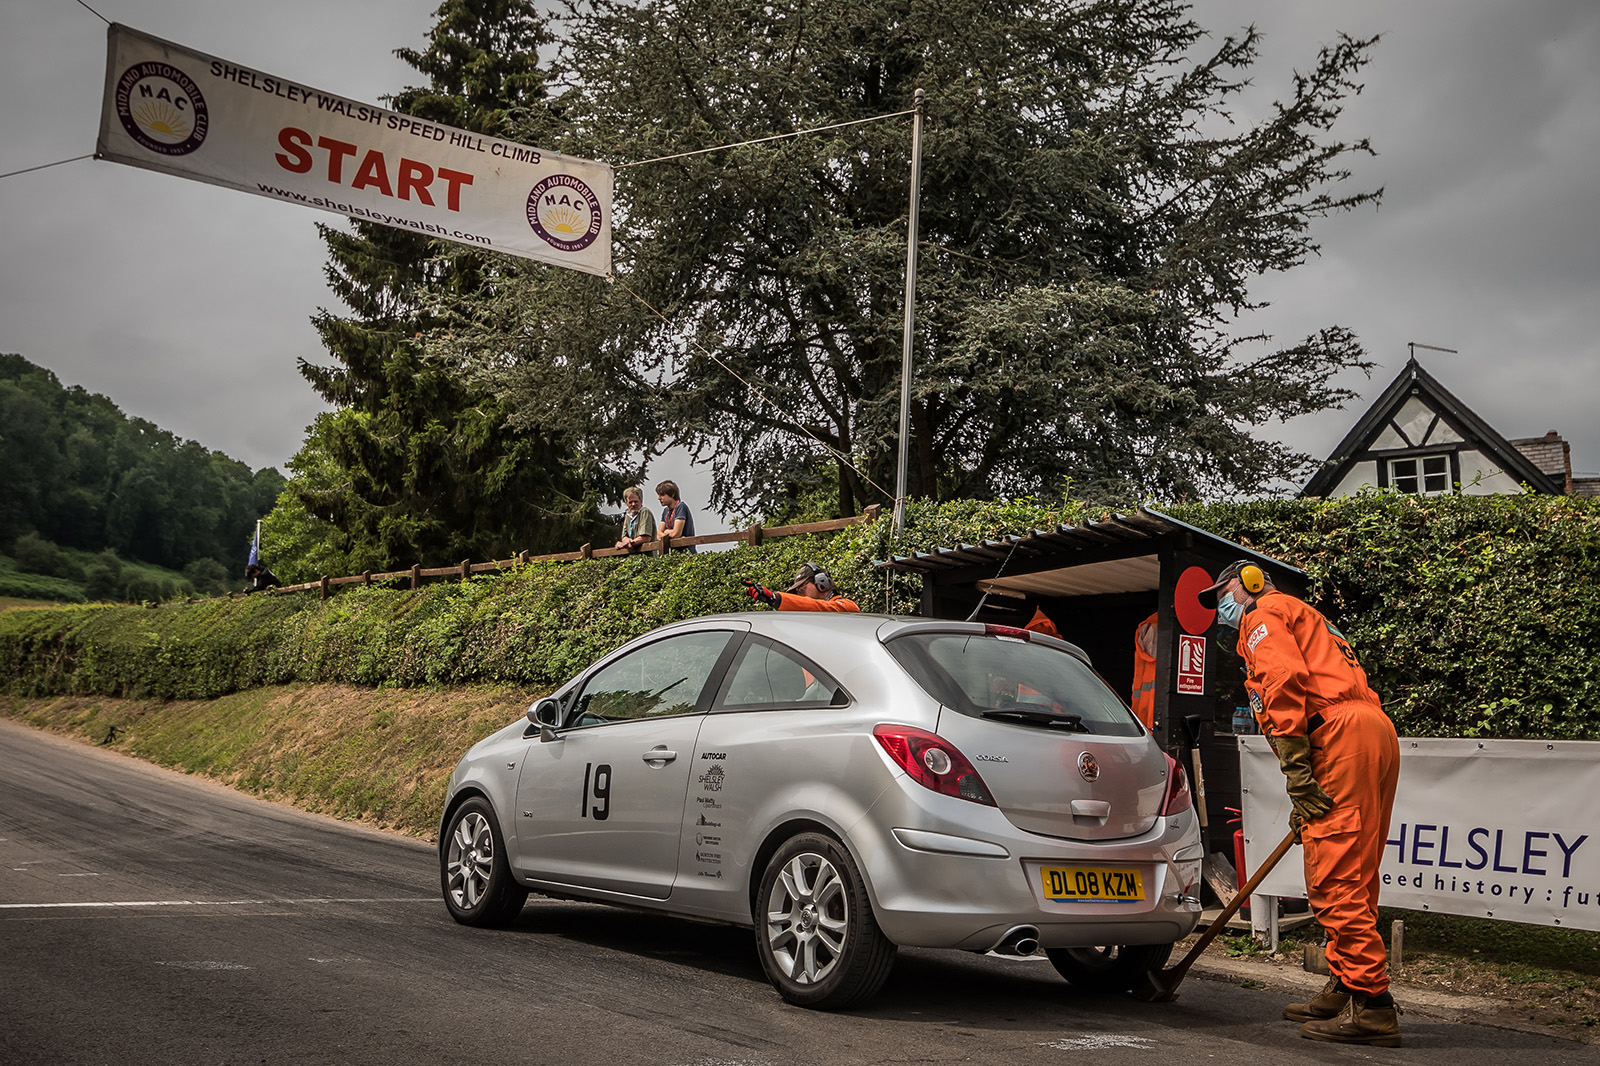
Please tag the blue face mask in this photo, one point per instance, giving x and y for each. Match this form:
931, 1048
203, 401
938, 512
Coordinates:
1230, 612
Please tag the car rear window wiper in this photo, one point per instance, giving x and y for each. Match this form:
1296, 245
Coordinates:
1037, 717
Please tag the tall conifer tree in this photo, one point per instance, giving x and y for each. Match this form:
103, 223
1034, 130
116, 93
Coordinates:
418, 461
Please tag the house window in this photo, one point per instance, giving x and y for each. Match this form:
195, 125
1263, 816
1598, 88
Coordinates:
1427, 475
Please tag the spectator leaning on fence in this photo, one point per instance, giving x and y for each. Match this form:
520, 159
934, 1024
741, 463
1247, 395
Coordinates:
638, 524
676, 521
260, 579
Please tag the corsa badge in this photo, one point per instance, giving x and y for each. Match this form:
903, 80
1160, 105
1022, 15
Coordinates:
1088, 767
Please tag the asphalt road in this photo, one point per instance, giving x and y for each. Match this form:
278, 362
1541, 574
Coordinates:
147, 917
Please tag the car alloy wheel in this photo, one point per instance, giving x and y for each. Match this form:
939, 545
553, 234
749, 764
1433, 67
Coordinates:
473, 872
816, 935
1113, 968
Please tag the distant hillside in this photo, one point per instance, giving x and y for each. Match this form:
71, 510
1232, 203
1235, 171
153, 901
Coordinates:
78, 474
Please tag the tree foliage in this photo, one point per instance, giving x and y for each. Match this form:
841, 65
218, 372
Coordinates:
419, 460
1091, 222
77, 472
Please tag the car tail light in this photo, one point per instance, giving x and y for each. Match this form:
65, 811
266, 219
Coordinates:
1007, 631
933, 763
1178, 797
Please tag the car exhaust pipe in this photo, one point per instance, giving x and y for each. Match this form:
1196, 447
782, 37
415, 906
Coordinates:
1019, 940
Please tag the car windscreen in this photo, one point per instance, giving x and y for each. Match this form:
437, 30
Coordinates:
1013, 680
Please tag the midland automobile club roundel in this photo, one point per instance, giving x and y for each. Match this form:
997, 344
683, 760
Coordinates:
564, 212
161, 107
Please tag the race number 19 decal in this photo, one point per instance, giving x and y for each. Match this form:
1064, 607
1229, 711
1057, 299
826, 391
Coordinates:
601, 775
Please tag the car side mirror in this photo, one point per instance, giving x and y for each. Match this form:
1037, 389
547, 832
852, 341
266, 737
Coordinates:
546, 714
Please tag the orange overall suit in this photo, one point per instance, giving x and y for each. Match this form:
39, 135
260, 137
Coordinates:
1040, 623
791, 601
1144, 674
1305, 681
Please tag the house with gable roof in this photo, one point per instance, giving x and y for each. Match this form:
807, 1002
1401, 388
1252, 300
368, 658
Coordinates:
1418, 437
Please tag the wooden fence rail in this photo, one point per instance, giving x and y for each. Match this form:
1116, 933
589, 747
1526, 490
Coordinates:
466, 568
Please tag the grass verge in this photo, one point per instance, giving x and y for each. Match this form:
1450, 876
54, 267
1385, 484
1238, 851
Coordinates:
378, 756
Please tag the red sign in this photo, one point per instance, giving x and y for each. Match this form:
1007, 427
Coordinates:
1191, 664
1186, 602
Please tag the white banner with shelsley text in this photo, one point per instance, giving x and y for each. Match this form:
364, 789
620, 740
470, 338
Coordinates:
181, 112
1506, 829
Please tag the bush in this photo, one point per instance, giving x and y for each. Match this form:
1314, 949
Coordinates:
35, 555
207, 577
1474, 616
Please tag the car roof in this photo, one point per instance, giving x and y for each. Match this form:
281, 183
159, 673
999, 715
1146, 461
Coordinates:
820, 632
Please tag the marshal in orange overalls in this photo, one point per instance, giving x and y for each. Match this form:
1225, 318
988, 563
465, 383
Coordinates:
1144, 672
1305, 681
793, 601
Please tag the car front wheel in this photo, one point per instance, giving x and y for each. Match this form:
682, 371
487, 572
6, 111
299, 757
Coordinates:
815, 932
1114, 968
473, 872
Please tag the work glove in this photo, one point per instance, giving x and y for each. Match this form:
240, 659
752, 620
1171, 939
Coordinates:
1294, 757
760, 593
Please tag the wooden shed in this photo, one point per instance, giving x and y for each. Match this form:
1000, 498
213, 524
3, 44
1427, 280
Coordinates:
1097, 581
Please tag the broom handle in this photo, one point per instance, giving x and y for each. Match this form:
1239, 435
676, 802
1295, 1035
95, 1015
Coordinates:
1238, 901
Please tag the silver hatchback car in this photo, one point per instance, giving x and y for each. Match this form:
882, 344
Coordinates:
843, 784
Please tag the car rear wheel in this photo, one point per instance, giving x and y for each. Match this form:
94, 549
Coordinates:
1113, 968
473, 872
815, 932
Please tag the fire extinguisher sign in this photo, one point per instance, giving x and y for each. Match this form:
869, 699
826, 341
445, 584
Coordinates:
1191, 664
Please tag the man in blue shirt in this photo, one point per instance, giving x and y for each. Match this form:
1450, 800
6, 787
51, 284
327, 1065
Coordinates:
676, 521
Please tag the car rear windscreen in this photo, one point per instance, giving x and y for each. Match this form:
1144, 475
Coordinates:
1013, 680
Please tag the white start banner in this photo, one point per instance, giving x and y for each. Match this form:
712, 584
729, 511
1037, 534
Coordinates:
182, 112
1506, 829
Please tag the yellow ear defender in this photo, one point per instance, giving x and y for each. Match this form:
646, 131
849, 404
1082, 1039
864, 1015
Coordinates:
1251, 577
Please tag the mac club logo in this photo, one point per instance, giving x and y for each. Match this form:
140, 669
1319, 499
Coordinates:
161, 108
564, 212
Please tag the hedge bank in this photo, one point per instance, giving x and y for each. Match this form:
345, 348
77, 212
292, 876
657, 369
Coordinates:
1474, 615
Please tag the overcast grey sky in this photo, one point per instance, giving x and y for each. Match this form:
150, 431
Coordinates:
189, 304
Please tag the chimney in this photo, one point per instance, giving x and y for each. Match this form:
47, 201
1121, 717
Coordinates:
1550, 454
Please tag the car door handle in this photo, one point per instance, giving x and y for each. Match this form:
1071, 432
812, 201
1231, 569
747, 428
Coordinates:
659, 755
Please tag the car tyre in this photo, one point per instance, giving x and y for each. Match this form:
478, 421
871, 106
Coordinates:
815, 931
1113, 968
473, 872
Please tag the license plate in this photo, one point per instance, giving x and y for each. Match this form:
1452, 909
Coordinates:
1072, 884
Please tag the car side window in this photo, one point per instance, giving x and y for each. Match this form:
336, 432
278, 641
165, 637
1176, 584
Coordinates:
770, 675
662, 678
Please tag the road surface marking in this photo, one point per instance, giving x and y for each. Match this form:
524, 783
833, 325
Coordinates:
1100, 1043
204, 903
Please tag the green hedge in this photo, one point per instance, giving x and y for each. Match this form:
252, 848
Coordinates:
1473, 615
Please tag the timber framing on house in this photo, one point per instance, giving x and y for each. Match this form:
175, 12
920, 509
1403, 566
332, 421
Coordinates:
1418, 437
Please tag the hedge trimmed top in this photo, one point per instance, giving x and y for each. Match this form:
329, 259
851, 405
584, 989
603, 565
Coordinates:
1473, 615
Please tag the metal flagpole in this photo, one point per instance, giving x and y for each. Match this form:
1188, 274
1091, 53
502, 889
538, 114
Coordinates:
911, 314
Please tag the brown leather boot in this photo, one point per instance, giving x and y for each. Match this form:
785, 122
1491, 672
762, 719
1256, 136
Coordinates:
1328, 1003
1358, 1024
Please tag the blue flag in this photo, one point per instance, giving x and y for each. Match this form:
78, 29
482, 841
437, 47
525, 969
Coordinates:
255, 548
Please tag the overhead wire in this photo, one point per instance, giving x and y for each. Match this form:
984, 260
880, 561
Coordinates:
836, 453
47, 166
758, 140
74, 159
753, 387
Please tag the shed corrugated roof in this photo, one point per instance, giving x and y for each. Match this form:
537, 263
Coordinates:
1061, 542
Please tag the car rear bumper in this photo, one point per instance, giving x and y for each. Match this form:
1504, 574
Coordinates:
946, 873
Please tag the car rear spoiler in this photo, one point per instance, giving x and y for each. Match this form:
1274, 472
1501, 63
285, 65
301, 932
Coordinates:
985, 629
